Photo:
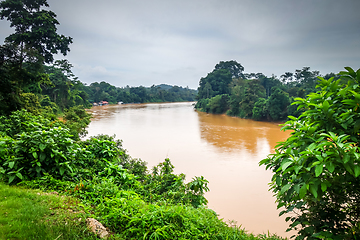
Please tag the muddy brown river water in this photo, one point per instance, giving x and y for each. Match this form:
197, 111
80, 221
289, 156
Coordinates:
225, 150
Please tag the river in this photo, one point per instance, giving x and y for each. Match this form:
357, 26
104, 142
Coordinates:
225, 150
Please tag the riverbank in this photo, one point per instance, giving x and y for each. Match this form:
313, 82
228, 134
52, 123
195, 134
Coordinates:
106, 182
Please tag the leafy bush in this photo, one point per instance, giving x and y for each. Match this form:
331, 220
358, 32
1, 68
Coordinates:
77, 119
317, 169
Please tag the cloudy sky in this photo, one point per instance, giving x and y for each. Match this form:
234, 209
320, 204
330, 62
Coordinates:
145, 42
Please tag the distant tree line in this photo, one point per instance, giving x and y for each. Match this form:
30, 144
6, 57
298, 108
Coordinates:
156, 93
227, 89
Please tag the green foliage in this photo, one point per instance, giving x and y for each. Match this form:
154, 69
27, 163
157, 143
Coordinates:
316, 170
246, 89
215, 83
260, 110
36, 152
33, 43
34, 146
277, 104
77, 119
160, 93
32, 34
218, 104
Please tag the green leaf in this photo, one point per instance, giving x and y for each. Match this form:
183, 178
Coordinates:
11, 178
351, 72
302, 191
357, 170
311, 147
318, 170
11, 164
297, 169
346, 158
326, 106
319, 157
330, 166
38, 163
313, 190
323, 187
19, 175
62, 170
285, 165
35, 155
285, 188
42, 146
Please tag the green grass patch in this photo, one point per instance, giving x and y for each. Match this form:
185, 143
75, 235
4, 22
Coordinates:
29, 214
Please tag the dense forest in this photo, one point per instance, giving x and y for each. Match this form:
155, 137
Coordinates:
227, 89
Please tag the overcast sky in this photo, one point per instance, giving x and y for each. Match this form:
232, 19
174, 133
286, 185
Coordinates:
145, 42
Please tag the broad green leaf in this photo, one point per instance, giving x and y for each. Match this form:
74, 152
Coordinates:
11, 164
323, 187
318, 170
313, 190
11, 178
357, 170
285, 188
19, 175
35, 155
326, 106
286, 165
351, 72
330, 166
319, 157
302, 191
297, 169
38, 163
311, 147
346, 158
42, 146
62, 170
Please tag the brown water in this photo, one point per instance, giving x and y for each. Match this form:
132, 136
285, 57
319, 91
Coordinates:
223, 149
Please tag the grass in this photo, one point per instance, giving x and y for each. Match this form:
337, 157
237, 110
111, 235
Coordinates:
28, 214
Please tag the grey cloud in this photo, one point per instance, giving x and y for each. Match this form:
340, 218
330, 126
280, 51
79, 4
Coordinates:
145, 42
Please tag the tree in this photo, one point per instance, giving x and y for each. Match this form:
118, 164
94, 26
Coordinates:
35, 29
278, 103
233, 67
260, 111
218, 80
317, 169
33, 43
253, 91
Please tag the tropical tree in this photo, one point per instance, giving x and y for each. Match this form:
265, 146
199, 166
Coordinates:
233, 67
24, 52
218, 80
316, 170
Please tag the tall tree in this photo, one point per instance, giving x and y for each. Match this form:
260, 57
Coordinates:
219, 81
24, 52
35, 29
233, 67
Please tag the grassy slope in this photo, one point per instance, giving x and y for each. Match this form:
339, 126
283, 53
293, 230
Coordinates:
29, 214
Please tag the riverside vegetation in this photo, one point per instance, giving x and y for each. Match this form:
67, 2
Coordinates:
36, 152
316, 171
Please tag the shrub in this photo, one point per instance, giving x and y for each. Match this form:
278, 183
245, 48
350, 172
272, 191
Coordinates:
317, 169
